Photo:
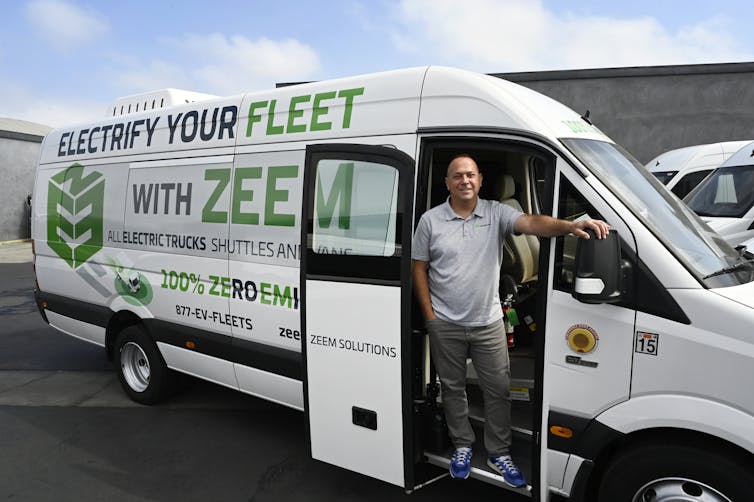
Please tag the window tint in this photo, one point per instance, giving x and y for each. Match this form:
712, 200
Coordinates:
571, 206
728, 192
701, 250
355, 208
539, 181
689, 182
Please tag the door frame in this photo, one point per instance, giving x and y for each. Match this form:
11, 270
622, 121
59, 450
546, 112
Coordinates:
465, 139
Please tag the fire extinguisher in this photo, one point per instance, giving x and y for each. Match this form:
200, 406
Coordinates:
510, 320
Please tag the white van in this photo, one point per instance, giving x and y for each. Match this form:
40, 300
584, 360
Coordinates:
263, 242
725, 200
683, 169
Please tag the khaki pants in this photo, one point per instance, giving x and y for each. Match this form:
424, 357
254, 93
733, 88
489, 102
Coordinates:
487, 346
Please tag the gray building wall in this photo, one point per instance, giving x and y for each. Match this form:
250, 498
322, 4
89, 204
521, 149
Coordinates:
650, 110
19, 154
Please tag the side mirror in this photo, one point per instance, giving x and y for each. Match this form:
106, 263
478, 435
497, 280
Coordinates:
598, 269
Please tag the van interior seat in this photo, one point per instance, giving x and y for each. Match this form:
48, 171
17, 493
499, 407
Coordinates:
520, 252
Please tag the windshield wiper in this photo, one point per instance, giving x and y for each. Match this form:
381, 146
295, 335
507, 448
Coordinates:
730, 268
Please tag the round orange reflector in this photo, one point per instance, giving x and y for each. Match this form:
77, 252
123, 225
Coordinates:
190, 345
581, 339
560, 431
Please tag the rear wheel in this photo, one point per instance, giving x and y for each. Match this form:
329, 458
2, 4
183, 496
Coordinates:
677, 472
141, 369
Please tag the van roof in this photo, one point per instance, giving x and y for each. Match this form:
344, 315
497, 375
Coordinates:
395, 102
484, 100
706, 155
743, 157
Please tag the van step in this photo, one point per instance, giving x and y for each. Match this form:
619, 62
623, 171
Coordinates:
520, 386
522, 414
522, 373
479, 470
477, 421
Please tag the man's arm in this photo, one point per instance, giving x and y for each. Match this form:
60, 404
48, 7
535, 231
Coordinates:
421, 288
547, 226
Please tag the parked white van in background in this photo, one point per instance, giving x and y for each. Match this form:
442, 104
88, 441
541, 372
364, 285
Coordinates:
263, 242
725, 200
683, 169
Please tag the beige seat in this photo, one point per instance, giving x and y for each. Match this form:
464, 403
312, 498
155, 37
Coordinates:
520, 252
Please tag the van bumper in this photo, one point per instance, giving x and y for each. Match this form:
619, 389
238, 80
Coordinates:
580, 482
40, 302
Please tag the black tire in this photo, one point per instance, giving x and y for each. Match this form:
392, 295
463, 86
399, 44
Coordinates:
141, 369
663, 472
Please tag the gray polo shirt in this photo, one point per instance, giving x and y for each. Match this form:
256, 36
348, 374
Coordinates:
464, 260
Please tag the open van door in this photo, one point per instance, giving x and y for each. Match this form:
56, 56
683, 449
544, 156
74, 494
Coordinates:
355, 315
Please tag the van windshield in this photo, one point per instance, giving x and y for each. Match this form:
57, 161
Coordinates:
728, 192
702, 251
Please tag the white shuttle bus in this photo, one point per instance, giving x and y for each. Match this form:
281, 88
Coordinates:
263, 242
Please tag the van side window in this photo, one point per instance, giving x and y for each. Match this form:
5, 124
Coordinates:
644, 292
685, 184
355, 208
571, 206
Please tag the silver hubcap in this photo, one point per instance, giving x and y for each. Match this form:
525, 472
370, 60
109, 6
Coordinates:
678, 490
135, 366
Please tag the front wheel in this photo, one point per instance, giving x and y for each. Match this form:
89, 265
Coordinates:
677, 472
141, 369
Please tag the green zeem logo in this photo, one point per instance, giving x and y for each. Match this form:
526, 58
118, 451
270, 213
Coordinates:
74, 214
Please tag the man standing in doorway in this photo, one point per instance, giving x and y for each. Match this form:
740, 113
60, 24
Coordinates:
457, 255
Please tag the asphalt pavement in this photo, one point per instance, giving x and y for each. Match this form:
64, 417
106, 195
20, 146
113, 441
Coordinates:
68, 432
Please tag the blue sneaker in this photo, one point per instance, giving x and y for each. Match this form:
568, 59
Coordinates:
460, 464
504, 466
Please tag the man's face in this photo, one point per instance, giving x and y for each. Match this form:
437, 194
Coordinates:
463, 179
